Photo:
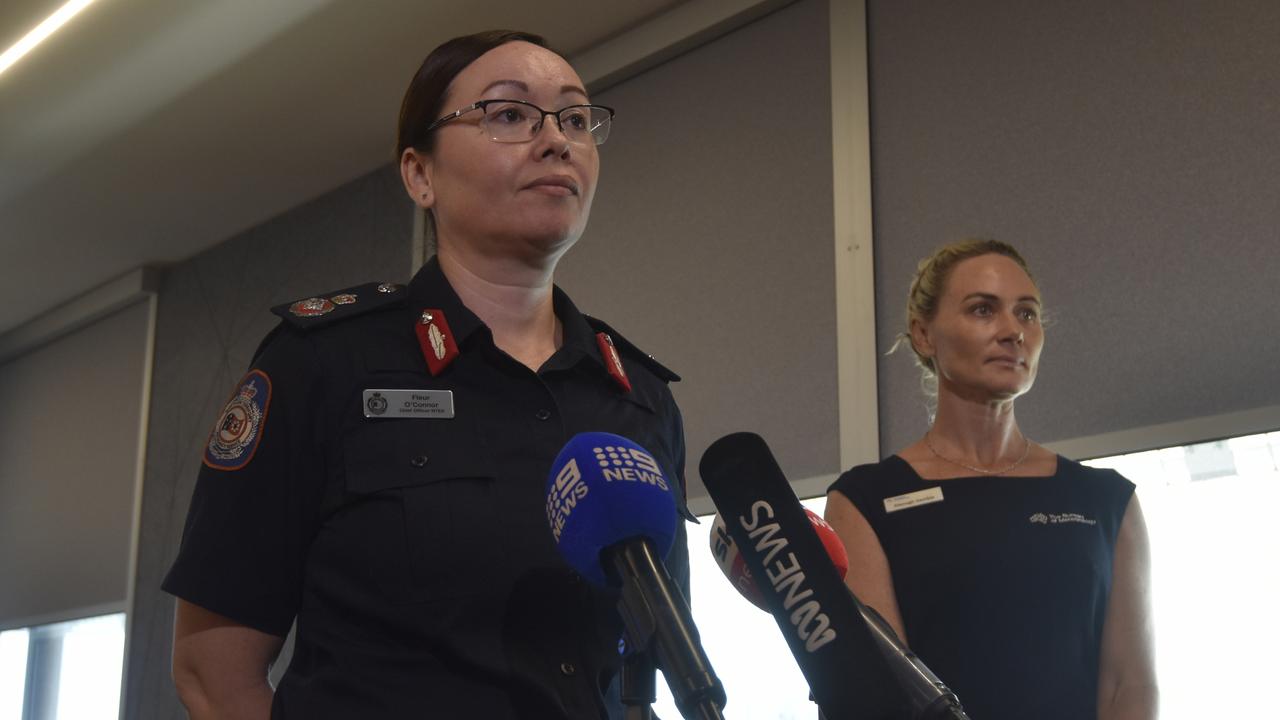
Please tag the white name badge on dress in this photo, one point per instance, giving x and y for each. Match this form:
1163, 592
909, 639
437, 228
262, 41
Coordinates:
382, 403
912, 499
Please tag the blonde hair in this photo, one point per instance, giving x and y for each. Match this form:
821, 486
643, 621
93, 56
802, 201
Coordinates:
930, 283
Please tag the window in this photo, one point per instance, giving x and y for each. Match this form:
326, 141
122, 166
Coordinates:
63, 671
1214, 570
13, 672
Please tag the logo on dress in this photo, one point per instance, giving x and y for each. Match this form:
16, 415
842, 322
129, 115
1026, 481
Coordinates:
376, 403
238, 431
1060, 519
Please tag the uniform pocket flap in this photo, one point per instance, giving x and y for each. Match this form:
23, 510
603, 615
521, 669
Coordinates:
385, 454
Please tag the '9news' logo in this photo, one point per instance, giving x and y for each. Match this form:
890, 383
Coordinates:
566, 491
623, 464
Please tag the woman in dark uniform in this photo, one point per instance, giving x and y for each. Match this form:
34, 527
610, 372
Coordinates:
378, 475
1018, 576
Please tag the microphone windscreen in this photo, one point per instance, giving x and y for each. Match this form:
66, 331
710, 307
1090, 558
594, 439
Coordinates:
734, 566
604, 489
831, 541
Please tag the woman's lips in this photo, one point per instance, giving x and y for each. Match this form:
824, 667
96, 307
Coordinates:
554, 185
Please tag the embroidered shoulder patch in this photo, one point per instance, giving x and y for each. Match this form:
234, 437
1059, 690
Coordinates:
238, 431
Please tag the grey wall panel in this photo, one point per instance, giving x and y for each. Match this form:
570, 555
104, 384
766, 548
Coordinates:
213, 312
710, 242
70, 419
1129, 149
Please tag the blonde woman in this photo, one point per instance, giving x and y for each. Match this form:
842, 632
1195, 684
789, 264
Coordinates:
1018, 576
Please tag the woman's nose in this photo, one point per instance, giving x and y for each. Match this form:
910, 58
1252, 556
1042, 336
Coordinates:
1012, 331
550, 138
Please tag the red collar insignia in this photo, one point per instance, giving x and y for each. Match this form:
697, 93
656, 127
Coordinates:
436, 340
612, 362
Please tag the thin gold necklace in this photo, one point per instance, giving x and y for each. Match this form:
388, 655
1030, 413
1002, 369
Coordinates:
1025, 452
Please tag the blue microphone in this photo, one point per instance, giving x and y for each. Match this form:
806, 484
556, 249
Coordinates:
605, 489
613, 517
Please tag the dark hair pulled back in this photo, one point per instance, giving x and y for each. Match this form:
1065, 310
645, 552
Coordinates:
425, 96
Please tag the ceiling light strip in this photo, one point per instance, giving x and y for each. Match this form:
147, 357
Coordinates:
41, 31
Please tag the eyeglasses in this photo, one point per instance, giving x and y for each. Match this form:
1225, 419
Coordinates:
516, 121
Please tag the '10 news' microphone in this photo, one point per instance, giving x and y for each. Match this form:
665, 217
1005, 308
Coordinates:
614, 518
855, 664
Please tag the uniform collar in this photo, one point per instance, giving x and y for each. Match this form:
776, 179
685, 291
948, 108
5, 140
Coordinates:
578, 339
429, 288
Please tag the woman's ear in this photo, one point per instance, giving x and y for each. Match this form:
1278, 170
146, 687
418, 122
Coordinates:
416, 170
921, 340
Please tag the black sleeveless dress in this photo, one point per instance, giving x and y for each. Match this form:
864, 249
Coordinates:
1002, 581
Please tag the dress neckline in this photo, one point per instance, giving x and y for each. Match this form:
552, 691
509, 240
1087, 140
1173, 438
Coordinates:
1057, 470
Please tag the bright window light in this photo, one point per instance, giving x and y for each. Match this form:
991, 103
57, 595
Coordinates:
41, 31
1210, 515
13, 672
92, 661
67, 671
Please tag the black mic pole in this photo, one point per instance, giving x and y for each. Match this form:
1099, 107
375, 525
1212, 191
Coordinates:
636, 682
931, 697
657, 618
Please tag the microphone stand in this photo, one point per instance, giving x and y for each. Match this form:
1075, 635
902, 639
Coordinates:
657, 616
637, 686
930, 697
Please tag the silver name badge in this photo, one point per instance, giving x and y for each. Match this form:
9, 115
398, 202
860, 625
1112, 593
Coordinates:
381, 403
912, 499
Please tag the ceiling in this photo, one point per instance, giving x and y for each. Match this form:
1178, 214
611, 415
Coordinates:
147, 130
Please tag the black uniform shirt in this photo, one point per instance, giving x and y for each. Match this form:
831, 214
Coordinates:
414, 553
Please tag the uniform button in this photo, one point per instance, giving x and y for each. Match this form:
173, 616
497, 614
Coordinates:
419, 461
567, 668
542, 414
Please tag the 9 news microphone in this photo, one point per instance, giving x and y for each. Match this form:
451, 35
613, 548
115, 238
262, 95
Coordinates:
855, 664
613, 518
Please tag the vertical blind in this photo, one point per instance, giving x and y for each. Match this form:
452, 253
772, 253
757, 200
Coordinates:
70, 416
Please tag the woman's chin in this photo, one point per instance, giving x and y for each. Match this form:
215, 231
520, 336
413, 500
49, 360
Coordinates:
1005, 393
551, 237
989, 393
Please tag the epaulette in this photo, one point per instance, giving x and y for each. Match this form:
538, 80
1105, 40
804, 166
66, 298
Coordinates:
624, 346
320, 310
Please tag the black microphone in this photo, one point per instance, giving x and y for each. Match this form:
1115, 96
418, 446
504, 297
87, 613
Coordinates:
855, 664
613, 517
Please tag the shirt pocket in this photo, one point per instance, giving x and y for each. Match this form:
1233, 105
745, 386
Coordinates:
433, 481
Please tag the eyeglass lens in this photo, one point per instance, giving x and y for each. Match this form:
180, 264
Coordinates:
519, 122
